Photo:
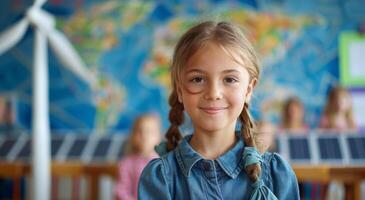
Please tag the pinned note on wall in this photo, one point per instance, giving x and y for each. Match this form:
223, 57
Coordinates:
352, 59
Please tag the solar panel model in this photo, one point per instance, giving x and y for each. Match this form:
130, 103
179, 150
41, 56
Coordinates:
299, 150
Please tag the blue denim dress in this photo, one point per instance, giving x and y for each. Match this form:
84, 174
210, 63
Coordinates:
184, 174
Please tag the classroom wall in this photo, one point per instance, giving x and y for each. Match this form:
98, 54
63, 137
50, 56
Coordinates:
128, 44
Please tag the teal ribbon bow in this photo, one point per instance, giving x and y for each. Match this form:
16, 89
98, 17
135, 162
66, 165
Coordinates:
260, 191
161, 149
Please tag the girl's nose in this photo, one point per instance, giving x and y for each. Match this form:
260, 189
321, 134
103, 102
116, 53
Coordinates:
213, 91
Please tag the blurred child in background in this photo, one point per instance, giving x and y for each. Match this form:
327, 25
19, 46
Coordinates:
140, 150
292, 122
337, 114
293, 116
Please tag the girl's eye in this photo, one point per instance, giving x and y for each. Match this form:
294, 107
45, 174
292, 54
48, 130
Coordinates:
230, 80
197, 80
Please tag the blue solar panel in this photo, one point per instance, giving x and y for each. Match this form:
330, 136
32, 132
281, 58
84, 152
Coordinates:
357, 147
56, 144
24, 153
102, 148
299, 149
329, 148
77, 148
6, 147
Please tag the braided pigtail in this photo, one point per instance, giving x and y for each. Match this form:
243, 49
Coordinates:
176, 118
247, 131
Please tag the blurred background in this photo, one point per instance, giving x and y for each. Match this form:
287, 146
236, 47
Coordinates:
306, 48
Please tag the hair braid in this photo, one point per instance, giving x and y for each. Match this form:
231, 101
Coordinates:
176, 118
247, 131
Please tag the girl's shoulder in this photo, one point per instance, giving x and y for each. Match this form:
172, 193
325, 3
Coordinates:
156, 179
163, 164
160, 171
273, 158
276, 170
279, 176
276, 163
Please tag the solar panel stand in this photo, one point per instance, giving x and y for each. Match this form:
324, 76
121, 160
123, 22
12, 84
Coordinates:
345, 150
313, 148
284, 149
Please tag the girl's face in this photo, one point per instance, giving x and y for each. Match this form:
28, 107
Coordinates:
213, 89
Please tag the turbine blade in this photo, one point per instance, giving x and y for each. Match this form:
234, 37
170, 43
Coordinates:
69, 57
12, 35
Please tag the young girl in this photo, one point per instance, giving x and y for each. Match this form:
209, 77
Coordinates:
214, 71
145, 135
293, 117
337, 114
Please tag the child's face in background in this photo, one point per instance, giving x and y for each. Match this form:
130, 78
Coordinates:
147, 135
343, 101
213, 89
296, 112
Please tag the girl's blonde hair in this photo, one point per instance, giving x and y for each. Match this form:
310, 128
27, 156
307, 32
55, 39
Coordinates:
332, 108
232, 40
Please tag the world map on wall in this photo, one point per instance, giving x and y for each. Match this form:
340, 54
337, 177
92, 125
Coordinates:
129, 45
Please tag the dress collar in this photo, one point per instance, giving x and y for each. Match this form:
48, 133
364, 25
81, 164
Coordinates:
231, 162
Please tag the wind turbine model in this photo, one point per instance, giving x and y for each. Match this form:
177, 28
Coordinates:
43, 24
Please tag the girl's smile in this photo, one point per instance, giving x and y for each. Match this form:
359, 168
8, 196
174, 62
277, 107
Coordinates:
213, 110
